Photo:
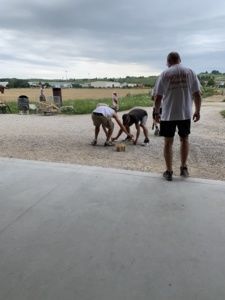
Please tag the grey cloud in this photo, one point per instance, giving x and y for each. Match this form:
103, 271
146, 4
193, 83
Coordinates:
54, 32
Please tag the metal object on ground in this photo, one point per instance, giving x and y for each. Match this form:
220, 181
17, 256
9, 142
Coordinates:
57, 96
23, 104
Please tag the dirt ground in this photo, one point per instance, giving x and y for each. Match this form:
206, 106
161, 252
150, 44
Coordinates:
67, 139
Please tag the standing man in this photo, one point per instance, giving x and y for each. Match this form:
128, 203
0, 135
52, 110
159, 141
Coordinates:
103, 115
138, 117
176, 87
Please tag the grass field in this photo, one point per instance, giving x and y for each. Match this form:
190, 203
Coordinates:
81, 100
11, 95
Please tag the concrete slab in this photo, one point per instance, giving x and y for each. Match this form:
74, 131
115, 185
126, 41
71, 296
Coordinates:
86, 233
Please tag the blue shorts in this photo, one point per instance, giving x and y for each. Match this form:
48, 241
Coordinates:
168, 128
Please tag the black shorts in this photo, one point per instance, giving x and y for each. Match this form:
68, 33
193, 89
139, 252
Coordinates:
168, 128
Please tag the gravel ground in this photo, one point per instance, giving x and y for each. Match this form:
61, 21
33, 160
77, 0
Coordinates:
67, 139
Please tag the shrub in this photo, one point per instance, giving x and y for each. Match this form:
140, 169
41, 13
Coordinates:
13, 107
67, 109
125, 103
208, 91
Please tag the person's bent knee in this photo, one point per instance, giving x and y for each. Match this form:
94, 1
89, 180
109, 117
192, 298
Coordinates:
143, 127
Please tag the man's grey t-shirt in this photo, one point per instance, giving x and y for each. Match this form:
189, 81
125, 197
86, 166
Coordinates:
177, 85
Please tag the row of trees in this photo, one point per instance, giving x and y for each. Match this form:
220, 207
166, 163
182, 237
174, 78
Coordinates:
24, 83
16, 83
206, 79
20, 83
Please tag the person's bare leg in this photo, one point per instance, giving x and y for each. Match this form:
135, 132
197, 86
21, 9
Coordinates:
97, 129
168, 153
184, 150
110, 127
94, 142
105, 130
154, 124
109, 134
145, 131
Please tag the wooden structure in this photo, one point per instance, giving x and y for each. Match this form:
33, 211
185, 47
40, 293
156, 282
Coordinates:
120, 147
47, 108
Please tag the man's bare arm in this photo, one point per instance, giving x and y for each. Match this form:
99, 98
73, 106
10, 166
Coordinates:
121, 125
158, 99
197, 102
118, 135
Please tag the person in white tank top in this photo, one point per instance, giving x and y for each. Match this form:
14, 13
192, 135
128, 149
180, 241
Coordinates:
102, 115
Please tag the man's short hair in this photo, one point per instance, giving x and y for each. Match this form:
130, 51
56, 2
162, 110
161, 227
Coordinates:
173, 58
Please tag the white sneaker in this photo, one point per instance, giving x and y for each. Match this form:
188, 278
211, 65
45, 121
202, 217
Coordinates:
108, 143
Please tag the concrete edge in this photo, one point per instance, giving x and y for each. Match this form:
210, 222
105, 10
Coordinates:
108, 170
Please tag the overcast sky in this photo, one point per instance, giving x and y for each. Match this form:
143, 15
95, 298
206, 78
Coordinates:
101, 38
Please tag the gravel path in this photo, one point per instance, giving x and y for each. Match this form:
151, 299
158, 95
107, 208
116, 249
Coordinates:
67, 139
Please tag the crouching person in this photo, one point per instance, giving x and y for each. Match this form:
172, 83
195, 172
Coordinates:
138, 117
103, 115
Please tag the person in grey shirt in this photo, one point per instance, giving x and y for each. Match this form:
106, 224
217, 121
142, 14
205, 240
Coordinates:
175, 90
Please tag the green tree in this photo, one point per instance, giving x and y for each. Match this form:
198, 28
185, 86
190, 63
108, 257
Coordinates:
211, 82
215, 72
18, 83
